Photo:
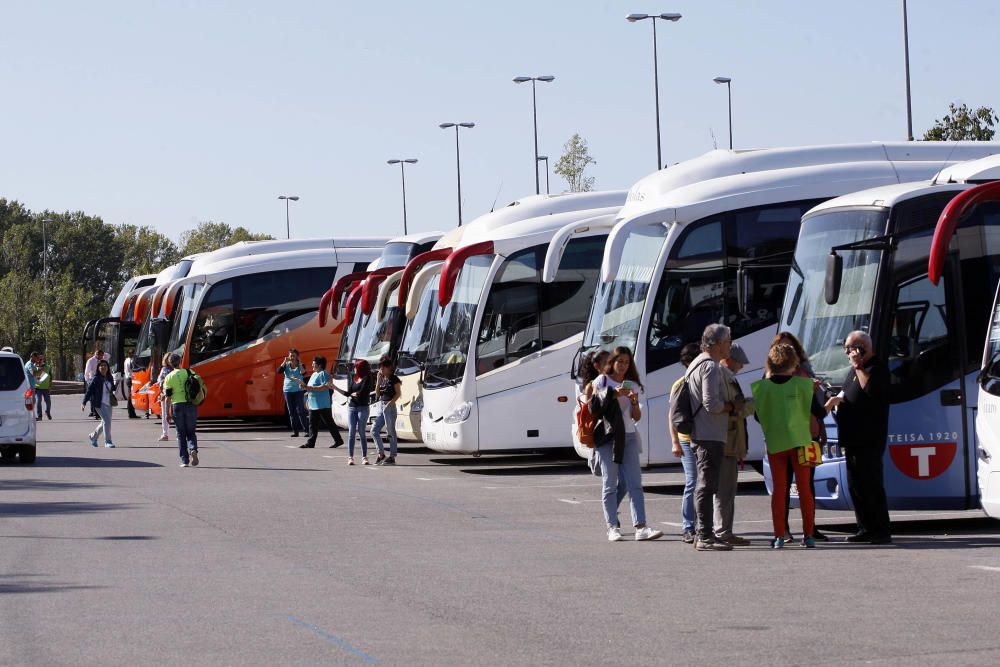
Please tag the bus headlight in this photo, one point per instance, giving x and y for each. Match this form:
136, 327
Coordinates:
417, 405
459, 414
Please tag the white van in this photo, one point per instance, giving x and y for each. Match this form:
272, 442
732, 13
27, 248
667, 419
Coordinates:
17, 410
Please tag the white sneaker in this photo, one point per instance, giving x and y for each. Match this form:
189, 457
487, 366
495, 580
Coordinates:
615, 534
164, 438
647, 533
184, 465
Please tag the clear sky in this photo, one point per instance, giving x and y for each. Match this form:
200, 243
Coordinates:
171, 112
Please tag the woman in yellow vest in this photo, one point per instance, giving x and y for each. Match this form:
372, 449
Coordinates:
785, 401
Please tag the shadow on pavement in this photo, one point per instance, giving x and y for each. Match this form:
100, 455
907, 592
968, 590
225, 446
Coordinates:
29, 583
112, 538
44, 485
753, 487
46, 509
79, 462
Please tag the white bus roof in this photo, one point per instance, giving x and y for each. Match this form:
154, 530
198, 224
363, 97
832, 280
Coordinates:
539, 229
417, 238
535, 206
955, 178
275, 261
647, 192
821, 177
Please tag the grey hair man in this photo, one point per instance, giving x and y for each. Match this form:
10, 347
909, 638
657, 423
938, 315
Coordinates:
863, 429
712, 411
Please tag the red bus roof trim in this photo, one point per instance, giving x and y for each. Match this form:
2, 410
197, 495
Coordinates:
456, 260
948, 222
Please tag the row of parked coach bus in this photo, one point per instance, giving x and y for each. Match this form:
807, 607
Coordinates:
488, 320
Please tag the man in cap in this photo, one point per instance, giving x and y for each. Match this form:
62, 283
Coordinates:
735, 450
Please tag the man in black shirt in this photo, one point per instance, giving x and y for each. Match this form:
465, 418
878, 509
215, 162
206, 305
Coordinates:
863, 428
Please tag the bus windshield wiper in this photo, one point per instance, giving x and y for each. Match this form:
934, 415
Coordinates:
443, 379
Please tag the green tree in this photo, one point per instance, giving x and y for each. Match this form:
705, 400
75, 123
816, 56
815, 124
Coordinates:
209, 236
963, 123
17, 315
146, 250
575, 158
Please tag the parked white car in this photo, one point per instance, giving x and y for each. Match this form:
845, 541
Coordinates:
17, 415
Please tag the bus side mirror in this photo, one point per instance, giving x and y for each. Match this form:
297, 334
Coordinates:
834, 275
742, 290
161, 332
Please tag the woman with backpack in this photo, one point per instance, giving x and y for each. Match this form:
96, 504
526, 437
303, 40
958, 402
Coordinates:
359, 390
101, 396
614, 400
682, 450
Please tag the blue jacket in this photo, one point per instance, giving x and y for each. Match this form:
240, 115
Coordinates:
95, 391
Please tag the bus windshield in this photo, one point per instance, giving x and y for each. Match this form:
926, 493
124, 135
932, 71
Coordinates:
143, 347
347, 340
617, 311
188, 299
375, 338
820, 327
416, 338
451, 333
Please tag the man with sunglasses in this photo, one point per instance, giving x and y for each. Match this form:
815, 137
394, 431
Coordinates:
863, 428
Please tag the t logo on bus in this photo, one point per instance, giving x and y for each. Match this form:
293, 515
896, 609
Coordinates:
924, 460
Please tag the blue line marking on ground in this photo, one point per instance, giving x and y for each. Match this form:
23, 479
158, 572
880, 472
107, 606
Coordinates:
336, 640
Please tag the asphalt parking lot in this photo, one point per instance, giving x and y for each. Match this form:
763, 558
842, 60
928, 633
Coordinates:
270, 555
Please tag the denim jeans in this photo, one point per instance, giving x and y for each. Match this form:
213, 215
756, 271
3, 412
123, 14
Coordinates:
386, 418
710, 455
297, 416
104, 412
628, 475
186, 423
690, 466
41, 394
357, 420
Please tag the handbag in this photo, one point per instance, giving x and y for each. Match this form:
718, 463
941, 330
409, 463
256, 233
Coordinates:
810, 455
114, 401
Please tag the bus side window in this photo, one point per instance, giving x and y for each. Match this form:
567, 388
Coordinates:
754, 233
565, 302
689, 296
214, 328
509, 328
265, 301
921, 353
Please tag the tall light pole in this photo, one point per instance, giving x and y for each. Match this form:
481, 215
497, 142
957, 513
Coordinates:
906, 65
632, 18
729, 92
288, 226
45, 279
534, 114
545, 159
402, 172
458, 161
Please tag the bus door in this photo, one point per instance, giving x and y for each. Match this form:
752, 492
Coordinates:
988, 418
107, 333
927, 462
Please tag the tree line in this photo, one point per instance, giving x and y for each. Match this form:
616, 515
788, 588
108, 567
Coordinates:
87, 263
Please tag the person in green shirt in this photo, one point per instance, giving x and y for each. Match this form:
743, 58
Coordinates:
784, 403
43, 383
185, 412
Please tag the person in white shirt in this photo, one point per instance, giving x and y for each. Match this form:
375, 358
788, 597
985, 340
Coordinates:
89, 371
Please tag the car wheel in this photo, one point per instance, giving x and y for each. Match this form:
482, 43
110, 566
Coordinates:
27, 454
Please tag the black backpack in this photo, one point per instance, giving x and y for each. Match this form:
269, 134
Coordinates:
681, 414
194, 387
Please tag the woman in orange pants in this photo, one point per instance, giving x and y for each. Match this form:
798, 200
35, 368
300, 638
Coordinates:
785, 401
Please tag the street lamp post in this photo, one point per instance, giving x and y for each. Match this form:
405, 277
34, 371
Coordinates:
729, 93
288, 227
534, 114
458, 161
632, 18
906, 65
45, 280
402, 172
545, 159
